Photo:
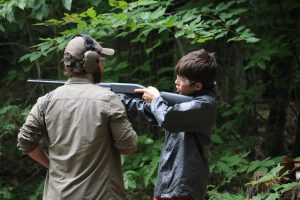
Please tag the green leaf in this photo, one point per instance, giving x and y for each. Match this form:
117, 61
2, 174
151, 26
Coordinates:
153, 167
2, 28
131, 183
220, 35
252, 40
216, 139
131, 24
240, 28
262, 169
224, 6
179, 34
91, 13
67, 4
118, 3
122, 65
225, 15
25, 57
22, 4
10, 17
158, 13
232, 22
145, 15
34, 56
203, 40
170, 22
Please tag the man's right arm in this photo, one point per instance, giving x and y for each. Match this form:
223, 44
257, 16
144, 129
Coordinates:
30, 135
40, 156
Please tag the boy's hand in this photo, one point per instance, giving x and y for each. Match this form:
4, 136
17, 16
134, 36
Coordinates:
150, 93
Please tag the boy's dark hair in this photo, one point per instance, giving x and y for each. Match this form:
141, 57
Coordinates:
198, 66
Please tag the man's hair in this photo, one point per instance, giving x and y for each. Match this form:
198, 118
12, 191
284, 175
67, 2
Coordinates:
198, 66
74, 69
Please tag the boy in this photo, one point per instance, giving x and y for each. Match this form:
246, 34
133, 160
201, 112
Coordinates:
183, 171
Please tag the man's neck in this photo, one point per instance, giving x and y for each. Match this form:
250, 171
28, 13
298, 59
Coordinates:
89, 76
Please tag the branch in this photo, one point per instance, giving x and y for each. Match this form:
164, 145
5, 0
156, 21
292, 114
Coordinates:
16, 44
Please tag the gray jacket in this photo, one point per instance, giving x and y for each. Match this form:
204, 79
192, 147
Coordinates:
183, 169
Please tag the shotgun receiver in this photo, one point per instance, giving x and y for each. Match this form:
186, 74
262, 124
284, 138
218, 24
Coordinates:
125, 88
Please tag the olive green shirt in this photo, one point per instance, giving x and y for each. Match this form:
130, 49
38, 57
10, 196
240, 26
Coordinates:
87, 128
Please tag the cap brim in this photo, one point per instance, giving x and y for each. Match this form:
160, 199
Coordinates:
107, 51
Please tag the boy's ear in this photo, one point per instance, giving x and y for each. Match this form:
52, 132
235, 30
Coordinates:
198, 86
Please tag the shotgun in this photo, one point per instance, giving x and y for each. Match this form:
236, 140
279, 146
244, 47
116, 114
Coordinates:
124, 88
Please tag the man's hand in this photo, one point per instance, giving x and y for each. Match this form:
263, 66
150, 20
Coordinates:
150, 93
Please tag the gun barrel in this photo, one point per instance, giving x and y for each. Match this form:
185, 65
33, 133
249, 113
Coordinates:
125, 88
46, 81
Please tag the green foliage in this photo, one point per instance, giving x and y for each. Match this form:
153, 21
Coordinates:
144, 18
12, 10
6, 193
277, 189
11, 117
140, 169
237, 163
139, 31
239, 111
38, 193
215, 195
229, 159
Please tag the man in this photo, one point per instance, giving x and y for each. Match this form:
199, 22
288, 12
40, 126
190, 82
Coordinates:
183, 171
87, 129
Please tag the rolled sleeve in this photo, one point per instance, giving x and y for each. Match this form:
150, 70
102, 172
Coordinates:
123, 134
32, 130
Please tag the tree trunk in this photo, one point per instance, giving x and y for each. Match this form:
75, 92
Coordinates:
279, 87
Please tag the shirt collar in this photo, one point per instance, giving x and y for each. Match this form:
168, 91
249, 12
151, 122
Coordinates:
77, 80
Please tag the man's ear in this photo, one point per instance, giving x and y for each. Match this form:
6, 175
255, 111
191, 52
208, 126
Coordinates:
198, 86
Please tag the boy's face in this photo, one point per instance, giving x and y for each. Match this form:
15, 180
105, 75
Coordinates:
185, 86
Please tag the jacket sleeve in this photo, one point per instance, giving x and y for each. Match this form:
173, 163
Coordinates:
33, 128
197, 115
122, 132
137, 109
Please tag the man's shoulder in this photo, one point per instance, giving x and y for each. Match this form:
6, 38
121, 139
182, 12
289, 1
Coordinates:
90, 91
101, 90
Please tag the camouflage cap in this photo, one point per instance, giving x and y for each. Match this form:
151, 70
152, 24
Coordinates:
76, 48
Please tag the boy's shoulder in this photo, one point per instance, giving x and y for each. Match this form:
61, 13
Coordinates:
209, 96
205, 99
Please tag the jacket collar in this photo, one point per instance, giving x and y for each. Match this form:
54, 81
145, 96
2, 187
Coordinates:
210, 92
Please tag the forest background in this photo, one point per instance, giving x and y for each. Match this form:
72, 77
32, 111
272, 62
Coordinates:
257, 47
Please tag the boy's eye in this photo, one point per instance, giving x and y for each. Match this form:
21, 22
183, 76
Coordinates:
184, 81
